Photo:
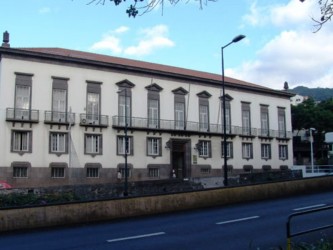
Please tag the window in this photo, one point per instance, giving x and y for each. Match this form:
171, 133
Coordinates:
58, 142
204, 149
21, 141
283, 152
59, 99
92, 172
265, 151
153, 172
203, 118
227, 116
122, 145
124, 107
154, 146
246, 119
93, 108
264, 120
179, 115
23, 96
93, 144
20, 172
205, 170
57, 172
229, 149
281, 122
247, 150
153, 113
122, 171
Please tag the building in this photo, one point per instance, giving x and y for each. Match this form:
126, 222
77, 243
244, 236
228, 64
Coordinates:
298, 99
64, 114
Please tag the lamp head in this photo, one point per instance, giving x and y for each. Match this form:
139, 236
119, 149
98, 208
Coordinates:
238, 38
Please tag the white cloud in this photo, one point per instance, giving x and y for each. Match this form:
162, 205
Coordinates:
295, 54
110, 43
44, 10
150, 39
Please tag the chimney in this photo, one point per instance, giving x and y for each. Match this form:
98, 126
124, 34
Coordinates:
6, 40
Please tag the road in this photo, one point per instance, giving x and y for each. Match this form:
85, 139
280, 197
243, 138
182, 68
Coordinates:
257, 225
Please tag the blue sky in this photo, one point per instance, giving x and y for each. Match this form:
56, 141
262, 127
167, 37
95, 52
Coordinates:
280, 44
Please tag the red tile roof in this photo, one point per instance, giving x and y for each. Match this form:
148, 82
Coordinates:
97, 58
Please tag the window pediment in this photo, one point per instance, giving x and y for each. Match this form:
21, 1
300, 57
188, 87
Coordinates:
227, 97
180, 91
154, 87
204, 94
125, 84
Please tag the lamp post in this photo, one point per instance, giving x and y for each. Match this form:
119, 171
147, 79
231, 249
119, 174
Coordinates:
225, 167
311, 147
126, 144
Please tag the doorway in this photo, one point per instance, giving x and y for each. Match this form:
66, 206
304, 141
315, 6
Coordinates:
181, 157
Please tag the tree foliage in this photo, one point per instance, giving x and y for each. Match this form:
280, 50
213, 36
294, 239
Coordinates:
326, 11
142, 6
312, 115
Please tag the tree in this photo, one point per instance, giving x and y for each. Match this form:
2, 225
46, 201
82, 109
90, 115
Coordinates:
326, 10
144, 6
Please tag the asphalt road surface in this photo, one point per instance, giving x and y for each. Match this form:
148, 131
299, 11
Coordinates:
257, 225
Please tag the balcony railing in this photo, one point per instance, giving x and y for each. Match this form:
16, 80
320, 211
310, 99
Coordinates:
90, 120
170, 125
54, 117
22, 115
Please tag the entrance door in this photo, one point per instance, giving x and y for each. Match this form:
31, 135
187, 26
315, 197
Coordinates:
179, 158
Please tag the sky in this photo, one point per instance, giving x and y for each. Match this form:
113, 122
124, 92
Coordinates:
280, 43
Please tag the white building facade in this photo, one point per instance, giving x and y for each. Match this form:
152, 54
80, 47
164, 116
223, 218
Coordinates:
63, 116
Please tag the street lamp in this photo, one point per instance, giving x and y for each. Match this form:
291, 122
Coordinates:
126, 144
311, 145
225, 181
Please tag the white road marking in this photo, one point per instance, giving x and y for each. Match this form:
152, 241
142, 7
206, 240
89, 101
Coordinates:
136, 237
237, 220
308, 207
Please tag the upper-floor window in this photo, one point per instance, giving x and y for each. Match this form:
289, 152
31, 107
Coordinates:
93, 102
22, 104
227, 100
124, 109
59, 99
21, 141
264, 120
282, 122
246, 119
153, 105
204, 111
179, 104
203, 118
179, 115
153, 113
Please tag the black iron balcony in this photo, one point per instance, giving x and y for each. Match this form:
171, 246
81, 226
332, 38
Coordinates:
138, 123
59, 118
91, 120
22, 115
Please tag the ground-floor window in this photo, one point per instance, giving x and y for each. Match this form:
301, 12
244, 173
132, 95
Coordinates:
154, 172
20, 172
57, 172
